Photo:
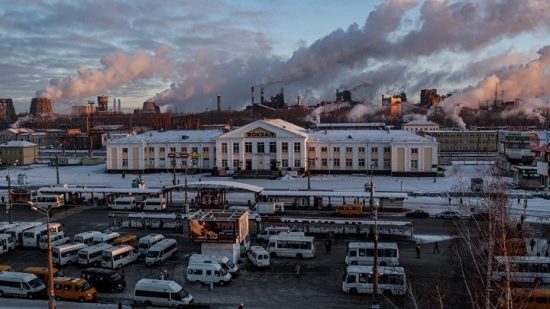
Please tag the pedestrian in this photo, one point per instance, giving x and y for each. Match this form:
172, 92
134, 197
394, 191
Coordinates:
532, 244
461, 201
298, 269
417, 251
522, 219
241, 306
436, 247
519, 200
162, 277
450, 201
166, 275
3, 199
538, 253
434, 179
328, 246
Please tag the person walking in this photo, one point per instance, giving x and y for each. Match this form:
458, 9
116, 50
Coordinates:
532, 244
298, 269
450, 201
417, 251
461, 202
328, 245
436, 247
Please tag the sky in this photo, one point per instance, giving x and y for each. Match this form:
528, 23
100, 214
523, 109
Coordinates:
182, 54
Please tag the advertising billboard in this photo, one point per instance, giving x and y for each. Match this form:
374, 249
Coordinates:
213, 230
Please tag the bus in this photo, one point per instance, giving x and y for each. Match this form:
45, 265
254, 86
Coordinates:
290, 245
359, 279
67, 253
17, 231
362, 253
522, 269
528, 299
118, 256
87, 237
49, 200
31, 237
92, 255
6, 243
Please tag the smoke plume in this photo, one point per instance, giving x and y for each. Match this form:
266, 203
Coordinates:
118, 69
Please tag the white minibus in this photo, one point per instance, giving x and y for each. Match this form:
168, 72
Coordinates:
6, 243
31, 237
92, 255
223, 261
86, 238
17, 232
123, 203
161, 251
49, 200
258, 256
289, 245
207, 273
272, 231
57, 239
118, 256
105, 237
362, 253
21, 285
67, 253
155, 203
148, 241
522, 269
165, 293
4, 226
391, 280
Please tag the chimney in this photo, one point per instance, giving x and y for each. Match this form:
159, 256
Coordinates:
114, 105
262, 95
298, 100
119, 106
252, 95
219, 102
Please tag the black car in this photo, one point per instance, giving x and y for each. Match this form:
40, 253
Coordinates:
417, 214
105, 280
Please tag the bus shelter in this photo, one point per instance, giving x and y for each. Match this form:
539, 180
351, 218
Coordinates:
210, 194
97, 195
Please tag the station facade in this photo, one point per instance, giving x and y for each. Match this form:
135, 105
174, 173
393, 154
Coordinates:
277, 145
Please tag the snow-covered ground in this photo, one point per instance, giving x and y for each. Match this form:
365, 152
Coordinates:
457, 178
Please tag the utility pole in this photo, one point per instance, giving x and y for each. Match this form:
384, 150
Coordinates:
57, 167
308, 167
8, 207
89, 125
374, 213
185, 156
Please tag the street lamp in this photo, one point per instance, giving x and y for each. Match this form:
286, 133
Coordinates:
51, 295
374, 213
8, 178
57, 164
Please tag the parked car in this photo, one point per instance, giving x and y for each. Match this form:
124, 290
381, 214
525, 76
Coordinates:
417, 214
448, 214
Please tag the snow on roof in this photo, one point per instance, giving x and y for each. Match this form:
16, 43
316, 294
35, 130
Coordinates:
368, 136
11, 144
421, 122
126, 190
108, 127
267, 124
20, 130
222, 185
287, 125
188, 136
361, 194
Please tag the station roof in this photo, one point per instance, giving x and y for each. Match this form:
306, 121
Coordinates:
368, 136
350, 194
183, 136
219, 185
127, 190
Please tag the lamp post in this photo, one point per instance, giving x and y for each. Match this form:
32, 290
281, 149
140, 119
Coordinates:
374, 213
51, 295
8, 178
185, 156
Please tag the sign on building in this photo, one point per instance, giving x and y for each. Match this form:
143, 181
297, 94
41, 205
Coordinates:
218, 226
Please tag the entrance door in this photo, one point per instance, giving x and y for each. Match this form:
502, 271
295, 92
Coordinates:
273, 165
248, 165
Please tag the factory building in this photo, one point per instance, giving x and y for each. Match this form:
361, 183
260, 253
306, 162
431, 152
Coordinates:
274, 145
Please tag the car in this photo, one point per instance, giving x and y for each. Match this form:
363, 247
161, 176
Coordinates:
448, 214
417, 214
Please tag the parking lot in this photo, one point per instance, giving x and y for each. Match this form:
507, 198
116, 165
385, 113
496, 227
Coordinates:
318, 286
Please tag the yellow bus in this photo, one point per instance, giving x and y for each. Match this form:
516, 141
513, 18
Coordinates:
528, 299
128, 239
350, 210
73, 289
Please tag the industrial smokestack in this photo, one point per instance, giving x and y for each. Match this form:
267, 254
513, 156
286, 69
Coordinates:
219, 103
262, 95
298, 100
119, 106
114, 105
252, 95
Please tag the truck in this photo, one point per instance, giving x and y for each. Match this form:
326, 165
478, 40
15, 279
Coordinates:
269, 208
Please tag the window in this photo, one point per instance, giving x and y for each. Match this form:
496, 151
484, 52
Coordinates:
387, 164
324, 162
336, 149
272, 147
151, 149
235, 163
297, 147
349, 163
260, 147
349, 149
336, 163
124, 162
414, 150
361, 149
124, 150
206, 149
172, 149
374, 150
324, 149
183, 149
284, 147
375, 163
311, 162
248, 147
235, 147
195, 149
361, 162
311, 149
387, 149
224, 147
414, 163
284, 163
224, 163
297, 163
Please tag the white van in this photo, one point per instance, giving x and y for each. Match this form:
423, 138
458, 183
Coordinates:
362, 253
92, 255
207, 273
148, 241
31, 237
166, 293
17, 231
258, 256
86, 238
6, 243
118, 256
155, 203
21, 285
272, 231
161, 251
67, 253
57, 239
105, 238
223, 261
123, 203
